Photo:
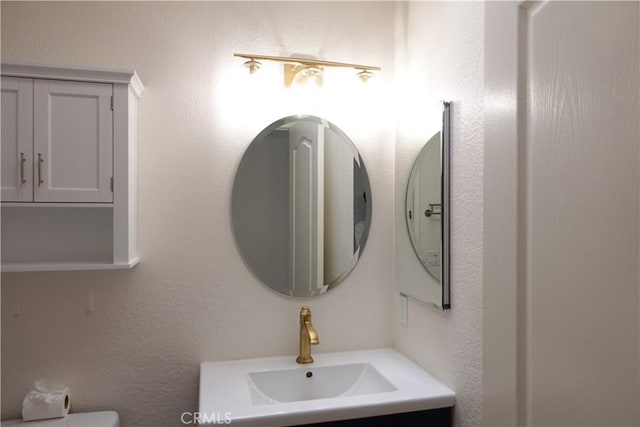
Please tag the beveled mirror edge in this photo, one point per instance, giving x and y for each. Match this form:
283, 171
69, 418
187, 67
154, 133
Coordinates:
446, 205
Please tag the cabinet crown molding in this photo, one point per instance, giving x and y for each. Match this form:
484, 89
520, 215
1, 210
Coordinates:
86, 74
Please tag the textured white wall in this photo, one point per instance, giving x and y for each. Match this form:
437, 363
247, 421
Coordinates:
192, 299
440, 56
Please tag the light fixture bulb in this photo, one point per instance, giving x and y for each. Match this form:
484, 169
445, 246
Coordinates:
312, 72
252, 65
309, 75
364, 75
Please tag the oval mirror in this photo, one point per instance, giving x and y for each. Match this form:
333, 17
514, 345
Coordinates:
427, 208
301, 206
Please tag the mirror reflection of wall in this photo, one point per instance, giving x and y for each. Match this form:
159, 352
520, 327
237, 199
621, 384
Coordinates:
301, 206
424, 207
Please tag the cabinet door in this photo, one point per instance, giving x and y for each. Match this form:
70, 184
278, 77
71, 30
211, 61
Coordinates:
73, 141
17, 139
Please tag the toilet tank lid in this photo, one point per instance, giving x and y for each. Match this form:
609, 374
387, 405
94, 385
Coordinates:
80, 419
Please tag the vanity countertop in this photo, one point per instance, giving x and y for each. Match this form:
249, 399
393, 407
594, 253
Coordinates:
227, 392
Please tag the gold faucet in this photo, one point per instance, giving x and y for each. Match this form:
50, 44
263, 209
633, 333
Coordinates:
308, 336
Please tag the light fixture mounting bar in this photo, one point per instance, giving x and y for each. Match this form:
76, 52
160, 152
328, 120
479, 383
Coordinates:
306, 61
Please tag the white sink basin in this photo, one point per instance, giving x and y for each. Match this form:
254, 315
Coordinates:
276, 391
308, 383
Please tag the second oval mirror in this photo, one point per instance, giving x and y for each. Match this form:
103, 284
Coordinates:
301, 206
427, 209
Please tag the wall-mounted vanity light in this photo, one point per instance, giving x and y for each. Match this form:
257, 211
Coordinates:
304, 70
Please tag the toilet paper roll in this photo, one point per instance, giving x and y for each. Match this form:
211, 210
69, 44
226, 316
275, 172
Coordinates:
46, 402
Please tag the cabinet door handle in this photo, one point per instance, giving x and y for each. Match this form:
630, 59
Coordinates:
40, 160
22, 160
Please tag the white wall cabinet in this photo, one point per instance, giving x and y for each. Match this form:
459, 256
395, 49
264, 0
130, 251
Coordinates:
68, 168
